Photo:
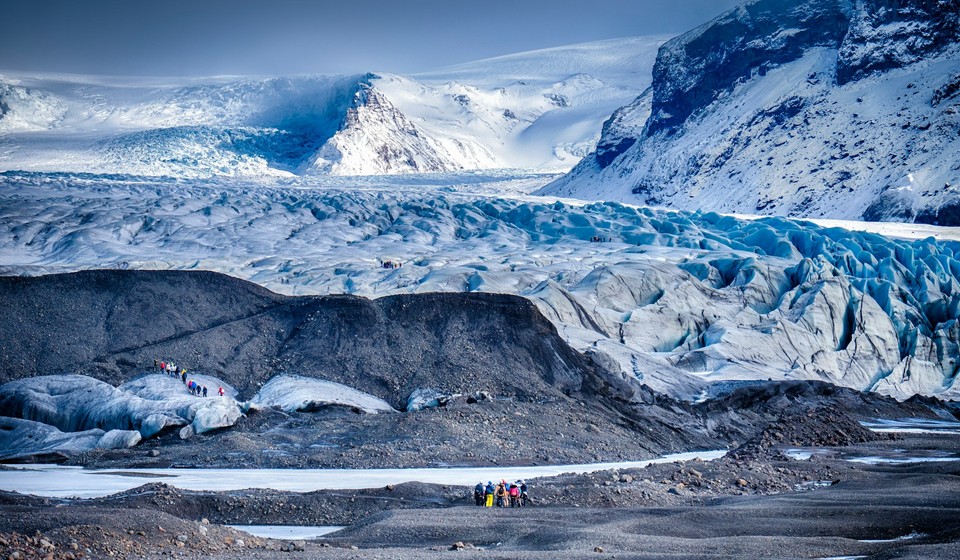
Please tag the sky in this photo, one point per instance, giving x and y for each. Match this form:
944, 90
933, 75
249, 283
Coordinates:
285, 37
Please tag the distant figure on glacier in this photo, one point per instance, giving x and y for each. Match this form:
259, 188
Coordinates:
221, 391
204, 390
183, 376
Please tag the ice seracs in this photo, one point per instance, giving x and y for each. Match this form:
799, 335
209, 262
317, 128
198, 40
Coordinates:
676, 300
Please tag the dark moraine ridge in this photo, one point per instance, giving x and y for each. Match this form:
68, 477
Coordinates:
112, 325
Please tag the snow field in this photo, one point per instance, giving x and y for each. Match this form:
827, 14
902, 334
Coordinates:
541, 110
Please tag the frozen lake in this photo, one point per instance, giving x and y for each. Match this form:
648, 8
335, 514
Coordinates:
59, 481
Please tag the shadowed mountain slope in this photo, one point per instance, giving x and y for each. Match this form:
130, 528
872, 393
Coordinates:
113, 324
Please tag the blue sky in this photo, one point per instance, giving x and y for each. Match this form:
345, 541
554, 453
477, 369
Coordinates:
209, 37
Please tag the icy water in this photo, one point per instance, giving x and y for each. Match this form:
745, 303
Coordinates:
288, 532
61, 482
914, 426
900, 457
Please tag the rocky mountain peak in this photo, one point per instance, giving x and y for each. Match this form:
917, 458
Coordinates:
821, 108
886, 34
693, 69
376, 137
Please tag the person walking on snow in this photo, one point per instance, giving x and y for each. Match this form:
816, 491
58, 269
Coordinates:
221, 391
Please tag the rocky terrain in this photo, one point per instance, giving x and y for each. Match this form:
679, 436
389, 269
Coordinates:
429, 380
766, 504
343, 381
483, 369
112, 325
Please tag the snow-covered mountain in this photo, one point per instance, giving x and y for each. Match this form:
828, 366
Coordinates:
539, 111
819, 108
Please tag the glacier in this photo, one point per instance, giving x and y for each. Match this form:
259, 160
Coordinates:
149, 404
539, 110
22, 439
677, 301
72, 413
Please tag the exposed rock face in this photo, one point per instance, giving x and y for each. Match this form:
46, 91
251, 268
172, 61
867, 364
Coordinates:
112, 324
696, 67
822, 108
885, 34
376, 138
622, 129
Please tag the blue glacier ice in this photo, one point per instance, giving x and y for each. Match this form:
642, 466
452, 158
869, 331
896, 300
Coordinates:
677, 299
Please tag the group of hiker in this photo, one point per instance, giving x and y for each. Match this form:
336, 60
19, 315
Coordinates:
505, 494
391, 264
170, 368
